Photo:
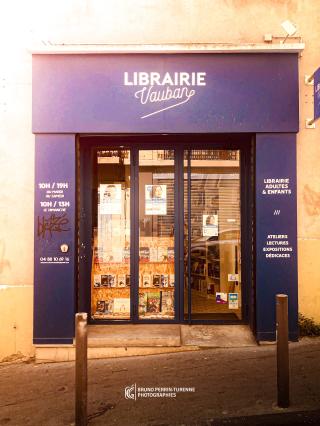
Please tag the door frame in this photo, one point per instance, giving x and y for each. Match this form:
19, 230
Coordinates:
88, 144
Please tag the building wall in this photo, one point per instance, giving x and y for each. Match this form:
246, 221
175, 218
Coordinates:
25, 24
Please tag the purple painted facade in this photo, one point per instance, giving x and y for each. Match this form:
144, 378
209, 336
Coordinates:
183, 93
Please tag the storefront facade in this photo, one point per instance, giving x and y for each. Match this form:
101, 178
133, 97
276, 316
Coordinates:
165, 189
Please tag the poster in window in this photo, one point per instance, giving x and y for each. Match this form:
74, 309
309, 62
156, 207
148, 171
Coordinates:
210, 225
156, 199
110, 198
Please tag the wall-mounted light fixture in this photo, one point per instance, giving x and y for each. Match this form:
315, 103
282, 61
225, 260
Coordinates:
289, 28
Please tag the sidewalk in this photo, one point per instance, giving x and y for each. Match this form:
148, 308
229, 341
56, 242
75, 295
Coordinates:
231, 382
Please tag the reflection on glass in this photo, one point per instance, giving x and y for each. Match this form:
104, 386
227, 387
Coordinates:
110, 277
156, 234
215, 262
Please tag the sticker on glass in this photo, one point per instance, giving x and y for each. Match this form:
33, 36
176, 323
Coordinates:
222, 298
233, 300
233, 277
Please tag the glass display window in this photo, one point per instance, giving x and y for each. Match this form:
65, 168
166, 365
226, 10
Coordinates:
212, 231
156, 235
166, 235
110, 276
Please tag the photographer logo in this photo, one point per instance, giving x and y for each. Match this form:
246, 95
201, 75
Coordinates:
130, 392
134, 392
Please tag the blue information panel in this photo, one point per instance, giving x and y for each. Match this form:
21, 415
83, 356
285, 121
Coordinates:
54, 228
317, 94
276, 231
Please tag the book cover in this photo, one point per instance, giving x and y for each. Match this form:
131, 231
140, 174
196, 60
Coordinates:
144, 254
121, 280
156, 280
171, 280
121, 305
167, 302
126, 255
105, 281
162, 254
143, 299
112, 280
97, 280
146, 280
108, 306
164, 280
170, 254
100, 307
153, 254
153, 303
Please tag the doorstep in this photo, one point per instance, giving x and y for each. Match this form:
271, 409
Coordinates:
112, 341
134, 335
52, 354
217, 336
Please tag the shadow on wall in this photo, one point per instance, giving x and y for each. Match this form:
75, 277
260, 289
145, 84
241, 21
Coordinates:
311, 200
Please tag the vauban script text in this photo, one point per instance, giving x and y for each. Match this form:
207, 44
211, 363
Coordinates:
173, 88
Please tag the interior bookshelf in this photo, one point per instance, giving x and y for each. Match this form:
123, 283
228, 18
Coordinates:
111, 281
205, 266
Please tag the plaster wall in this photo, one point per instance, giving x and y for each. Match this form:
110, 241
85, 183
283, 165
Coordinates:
26, 24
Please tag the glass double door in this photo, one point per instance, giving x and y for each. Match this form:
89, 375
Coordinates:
165, 235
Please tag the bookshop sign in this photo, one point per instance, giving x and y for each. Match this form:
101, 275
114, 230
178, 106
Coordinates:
165, 93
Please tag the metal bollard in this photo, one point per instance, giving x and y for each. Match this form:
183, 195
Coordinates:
81, 370
282, 350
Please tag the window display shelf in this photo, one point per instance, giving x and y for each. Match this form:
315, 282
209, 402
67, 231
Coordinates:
111, 316
155, 316
112, 288
154, 262
112, 263
156, 288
